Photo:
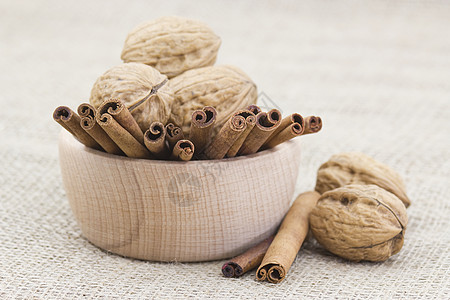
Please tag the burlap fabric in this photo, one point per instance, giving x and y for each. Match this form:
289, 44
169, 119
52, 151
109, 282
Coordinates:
378, 73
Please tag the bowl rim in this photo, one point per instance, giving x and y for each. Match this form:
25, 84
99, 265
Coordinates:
75, 143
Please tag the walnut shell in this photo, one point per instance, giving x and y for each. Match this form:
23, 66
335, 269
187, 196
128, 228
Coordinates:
359, 222
226, 88
172, 45
358, 168
130, 83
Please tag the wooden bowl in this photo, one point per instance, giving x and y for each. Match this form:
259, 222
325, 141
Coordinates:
178, 211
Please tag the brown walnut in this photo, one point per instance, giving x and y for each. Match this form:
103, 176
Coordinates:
132, 82
172, 45
226, 88
358, 168
360, 222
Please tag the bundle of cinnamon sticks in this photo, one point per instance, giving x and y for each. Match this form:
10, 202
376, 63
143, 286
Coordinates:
112, 128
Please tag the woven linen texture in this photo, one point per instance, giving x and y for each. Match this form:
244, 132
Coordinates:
378, 73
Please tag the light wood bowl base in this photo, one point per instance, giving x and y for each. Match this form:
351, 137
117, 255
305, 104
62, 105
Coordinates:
178, 211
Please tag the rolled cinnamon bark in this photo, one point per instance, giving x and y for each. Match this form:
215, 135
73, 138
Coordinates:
155, 140
255, 109
86, 110
266, 123
250, 120
247, 261
288, 240
183, 150
287, 121
226, 137
312, 124
288, 133
122, 137
202, 124
99, 135
70, 121
122, 115
173, 135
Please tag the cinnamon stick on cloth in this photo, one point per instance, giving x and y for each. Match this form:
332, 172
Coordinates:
91, 126
247, 261
183, 150
226, 137
123, 139
122, 115
250, 120
70, 121
202, 124
266, 123
288, 240
173, 135
312, 124
290, 132
155, 140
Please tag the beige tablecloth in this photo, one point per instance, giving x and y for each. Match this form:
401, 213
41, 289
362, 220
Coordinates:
378, 73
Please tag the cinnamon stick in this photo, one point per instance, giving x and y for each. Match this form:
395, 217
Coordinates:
155, 140
312, 124
288, 133
288, 240
250, 120
99, 135
70, 121
287, 121
86, 110
173, 135
183, 150
87, 113
123, 139
247, 261
255, 109
202, 124
226, 137
122, 115
266, 123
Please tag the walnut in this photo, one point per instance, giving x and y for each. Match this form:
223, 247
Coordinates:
358, 168
226, 88
172, 45
360, 222
132, 82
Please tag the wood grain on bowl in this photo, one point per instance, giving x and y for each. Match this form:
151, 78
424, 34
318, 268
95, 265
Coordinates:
178, 211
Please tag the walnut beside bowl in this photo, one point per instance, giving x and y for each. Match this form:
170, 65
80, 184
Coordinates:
178, 211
